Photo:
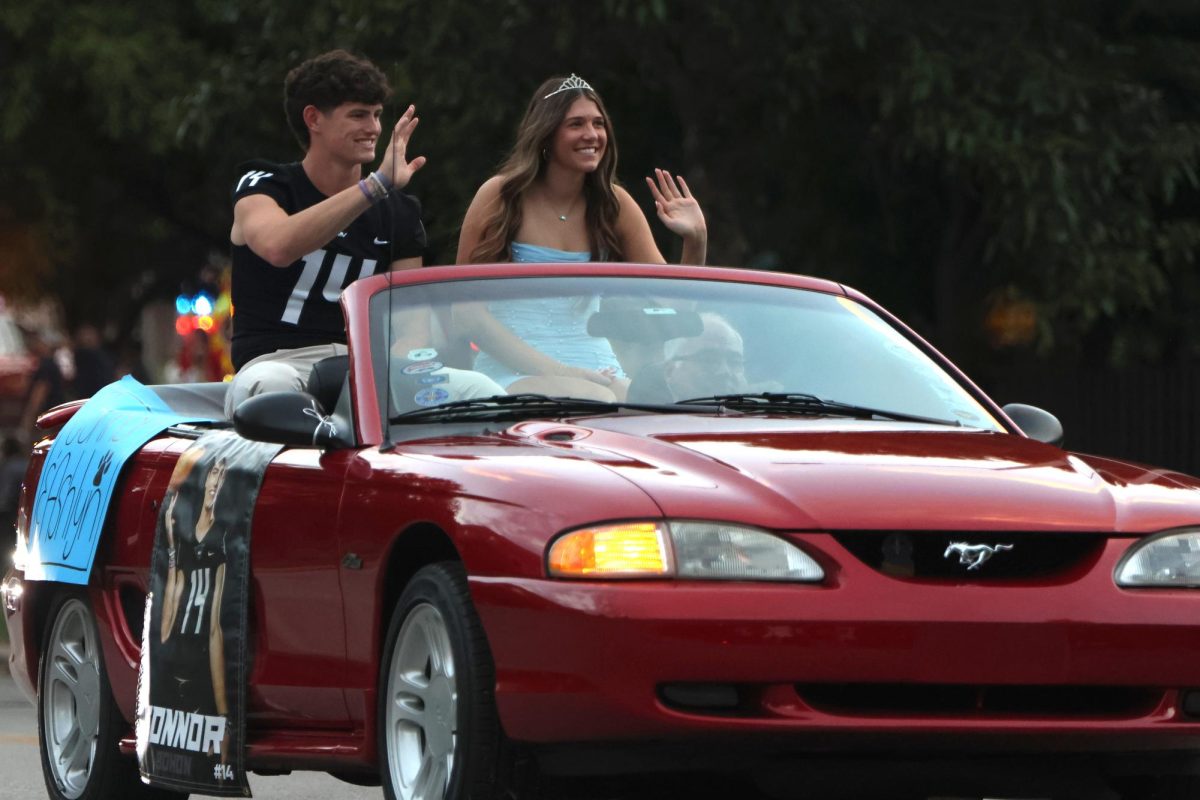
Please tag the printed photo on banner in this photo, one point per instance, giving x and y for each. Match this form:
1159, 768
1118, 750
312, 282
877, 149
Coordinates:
191, 693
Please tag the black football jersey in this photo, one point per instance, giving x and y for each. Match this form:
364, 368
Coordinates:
297, 305
187, 685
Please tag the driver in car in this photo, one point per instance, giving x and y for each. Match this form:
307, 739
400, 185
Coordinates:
711, 363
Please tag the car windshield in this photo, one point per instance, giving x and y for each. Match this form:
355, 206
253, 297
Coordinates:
655, 344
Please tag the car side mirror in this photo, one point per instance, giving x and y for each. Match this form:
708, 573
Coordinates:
291, 418
1037, 424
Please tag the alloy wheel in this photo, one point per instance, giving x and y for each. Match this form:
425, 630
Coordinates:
422, 707
71, 698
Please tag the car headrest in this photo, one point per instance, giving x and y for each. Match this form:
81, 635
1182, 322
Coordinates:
326, 379
648, 324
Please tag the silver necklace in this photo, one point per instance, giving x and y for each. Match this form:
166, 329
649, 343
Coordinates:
563, 216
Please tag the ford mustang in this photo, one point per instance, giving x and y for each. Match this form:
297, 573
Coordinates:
563, 520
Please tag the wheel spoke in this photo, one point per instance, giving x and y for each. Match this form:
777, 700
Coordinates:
409, 682
75, 751
425, 783
408, 697
72, 642
419, 780
409, 713
439, 780
65, 675
440, 660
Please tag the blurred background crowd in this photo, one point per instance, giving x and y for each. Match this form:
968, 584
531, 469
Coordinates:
1020, 181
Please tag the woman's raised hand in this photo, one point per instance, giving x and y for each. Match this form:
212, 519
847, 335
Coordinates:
676, 207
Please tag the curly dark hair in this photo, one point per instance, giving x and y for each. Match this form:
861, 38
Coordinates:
328, 80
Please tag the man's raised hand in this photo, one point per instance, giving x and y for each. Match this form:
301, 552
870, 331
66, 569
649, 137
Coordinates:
395, 166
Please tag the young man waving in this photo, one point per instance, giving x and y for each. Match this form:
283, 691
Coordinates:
304, 231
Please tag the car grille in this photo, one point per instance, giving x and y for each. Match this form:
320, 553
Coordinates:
923, 554
958, 700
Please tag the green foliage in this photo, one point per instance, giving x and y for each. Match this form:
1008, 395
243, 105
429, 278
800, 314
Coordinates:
938, 155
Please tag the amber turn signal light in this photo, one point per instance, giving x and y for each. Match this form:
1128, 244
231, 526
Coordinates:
623, 550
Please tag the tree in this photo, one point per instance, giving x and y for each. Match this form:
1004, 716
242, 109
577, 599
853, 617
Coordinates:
941, 156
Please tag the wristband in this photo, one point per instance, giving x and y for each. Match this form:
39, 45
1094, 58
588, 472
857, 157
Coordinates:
375, 186
380, 185
383, 179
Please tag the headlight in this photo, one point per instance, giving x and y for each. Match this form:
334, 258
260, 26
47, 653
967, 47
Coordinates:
690, 550
20, 552
1167, 559
10, 592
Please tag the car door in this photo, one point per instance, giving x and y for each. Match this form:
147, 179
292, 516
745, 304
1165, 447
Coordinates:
298, 649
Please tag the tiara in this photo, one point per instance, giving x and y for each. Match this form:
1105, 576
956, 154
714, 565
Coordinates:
573, 82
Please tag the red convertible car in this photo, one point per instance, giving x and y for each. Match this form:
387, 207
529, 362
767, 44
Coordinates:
621, 518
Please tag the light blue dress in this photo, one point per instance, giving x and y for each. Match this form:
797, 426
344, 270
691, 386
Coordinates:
556, 326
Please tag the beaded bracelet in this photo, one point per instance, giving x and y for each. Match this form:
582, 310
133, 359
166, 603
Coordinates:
375, 186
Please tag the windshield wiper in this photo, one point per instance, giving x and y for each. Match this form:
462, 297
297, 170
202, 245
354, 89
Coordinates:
798, 402
516, 406
504, 406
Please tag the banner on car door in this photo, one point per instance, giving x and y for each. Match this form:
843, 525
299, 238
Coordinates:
191, 719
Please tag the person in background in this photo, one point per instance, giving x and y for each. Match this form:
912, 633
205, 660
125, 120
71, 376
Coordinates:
95, 368
129, 362
556, 198
196, 361
47, 386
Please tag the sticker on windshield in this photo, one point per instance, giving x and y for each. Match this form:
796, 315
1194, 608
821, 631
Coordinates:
423, 354
431, 379
431, 397
422, 367
654, 311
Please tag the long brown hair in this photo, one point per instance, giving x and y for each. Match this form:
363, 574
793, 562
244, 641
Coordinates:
525, 165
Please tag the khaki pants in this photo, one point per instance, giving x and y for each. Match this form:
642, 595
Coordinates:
280, 371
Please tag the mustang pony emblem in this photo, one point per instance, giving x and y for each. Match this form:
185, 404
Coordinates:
974, 555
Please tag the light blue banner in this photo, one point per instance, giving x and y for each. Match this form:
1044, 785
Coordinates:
80, 474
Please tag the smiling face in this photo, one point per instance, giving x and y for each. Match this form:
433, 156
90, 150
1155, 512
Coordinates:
581, 138
212, 484
348, 133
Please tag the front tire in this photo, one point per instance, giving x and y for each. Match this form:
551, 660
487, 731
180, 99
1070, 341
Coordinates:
439, 736
79, 724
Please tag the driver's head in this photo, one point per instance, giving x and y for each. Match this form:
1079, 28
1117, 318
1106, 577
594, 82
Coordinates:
711, 363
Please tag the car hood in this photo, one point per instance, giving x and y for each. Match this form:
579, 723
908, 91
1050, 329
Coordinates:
868, 475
